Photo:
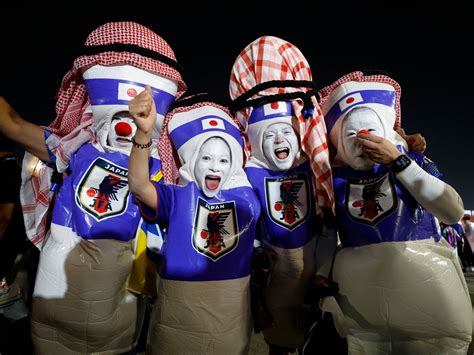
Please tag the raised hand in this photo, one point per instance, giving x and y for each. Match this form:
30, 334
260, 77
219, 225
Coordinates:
378, 149
143, 111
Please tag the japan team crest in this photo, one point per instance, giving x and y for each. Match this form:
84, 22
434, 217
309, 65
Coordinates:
370, 200
288, 202
215, 229
103, 191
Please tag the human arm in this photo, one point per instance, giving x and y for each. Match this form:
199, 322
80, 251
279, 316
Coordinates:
432, 193
25, 133
143, 111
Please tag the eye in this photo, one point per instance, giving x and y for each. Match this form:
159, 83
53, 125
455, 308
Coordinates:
287, 132
268, 135
371, 129
206, 157
351, 134
224, 161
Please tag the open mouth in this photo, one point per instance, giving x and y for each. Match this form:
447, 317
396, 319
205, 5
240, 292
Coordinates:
123, 140
282, 153
212, 182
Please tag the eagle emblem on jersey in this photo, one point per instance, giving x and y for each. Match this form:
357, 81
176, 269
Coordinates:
370, 200
215, 229
103, 190
288, 202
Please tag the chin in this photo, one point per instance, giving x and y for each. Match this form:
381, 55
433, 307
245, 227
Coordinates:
360, 164
282, 165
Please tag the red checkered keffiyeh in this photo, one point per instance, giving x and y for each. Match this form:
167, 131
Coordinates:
271, 58
72, 126
360, 77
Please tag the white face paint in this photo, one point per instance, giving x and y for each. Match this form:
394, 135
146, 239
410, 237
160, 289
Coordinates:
122, 129
280, 146
362, 118
213, 165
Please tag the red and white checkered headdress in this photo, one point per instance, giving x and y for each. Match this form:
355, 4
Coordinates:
269, 70
377, 92
114, 43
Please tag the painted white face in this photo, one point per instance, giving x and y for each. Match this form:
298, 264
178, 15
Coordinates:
362, 118
280, 146
213, 165
122, 129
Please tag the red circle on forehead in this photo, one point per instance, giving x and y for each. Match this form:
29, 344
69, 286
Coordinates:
91, 192
349, 100
274, 105
213, 123
132, 92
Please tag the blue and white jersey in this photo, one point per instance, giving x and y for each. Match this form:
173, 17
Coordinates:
374, 207
289, 218
207, 239
95, 201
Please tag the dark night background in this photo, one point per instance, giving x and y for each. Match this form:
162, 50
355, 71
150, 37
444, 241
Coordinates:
431, 56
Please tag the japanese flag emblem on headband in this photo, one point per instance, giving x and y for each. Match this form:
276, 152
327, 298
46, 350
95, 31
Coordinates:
380, 97
117, 85
272, 110
186, 125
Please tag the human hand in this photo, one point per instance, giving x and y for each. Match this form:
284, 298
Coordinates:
416, 142
143, 111
378, 149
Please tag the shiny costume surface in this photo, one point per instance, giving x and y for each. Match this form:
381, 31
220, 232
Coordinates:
203, 305
86, 260
401, 288
288, 228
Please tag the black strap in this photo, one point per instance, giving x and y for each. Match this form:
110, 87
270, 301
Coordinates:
244, 100
132, 48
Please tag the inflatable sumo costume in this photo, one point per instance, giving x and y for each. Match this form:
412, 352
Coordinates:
203, 304
402, 290
80, 301
269, 97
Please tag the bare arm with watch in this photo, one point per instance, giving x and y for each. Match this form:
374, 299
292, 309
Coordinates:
143, 110
432, 193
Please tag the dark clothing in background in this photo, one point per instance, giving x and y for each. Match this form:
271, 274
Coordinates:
17, 256
14, 238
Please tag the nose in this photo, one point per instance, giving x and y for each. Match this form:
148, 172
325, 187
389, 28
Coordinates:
214, 167
363, 131
123, 129
278, 138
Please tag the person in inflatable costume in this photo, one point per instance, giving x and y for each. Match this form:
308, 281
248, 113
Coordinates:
80, 301
401, 289
203, 303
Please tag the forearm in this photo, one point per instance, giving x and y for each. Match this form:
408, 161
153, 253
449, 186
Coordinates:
433, 194
138, 172
27, 134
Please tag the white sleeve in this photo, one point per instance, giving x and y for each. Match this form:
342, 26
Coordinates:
433, 194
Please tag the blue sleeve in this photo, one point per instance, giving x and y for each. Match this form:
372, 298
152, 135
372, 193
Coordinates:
52, 157
165, 197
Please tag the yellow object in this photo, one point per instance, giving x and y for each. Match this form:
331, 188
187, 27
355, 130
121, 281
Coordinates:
142, 279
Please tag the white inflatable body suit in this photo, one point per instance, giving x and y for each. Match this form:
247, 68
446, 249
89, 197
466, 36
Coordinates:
203, 304
402, 290
282, 176
80, 301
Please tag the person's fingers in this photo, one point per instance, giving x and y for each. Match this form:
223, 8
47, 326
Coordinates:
370, 137
401, 132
